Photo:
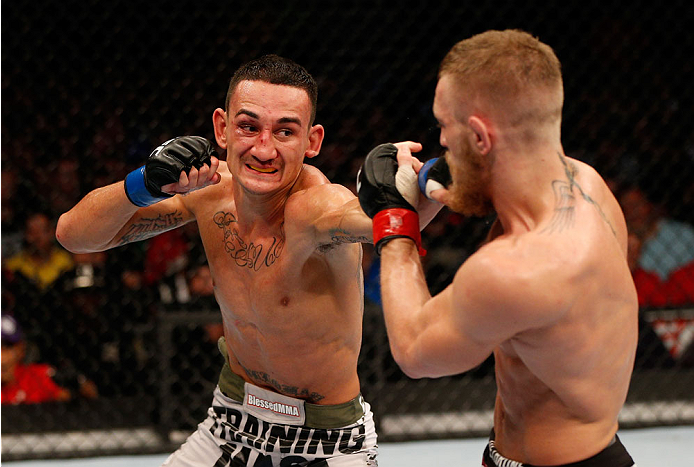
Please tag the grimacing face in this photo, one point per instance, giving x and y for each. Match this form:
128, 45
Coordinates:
470, 170
266, 131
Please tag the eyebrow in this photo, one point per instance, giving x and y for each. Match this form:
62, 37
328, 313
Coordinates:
257, 117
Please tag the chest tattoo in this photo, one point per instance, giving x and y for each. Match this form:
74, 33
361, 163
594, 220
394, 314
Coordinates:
247, 254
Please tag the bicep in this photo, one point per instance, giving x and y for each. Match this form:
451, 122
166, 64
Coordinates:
448, 343
152, 220
488, 303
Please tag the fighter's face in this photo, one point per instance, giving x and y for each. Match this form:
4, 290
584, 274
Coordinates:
470, 170
267, 135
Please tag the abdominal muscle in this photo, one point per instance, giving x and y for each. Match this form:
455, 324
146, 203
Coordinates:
299, 344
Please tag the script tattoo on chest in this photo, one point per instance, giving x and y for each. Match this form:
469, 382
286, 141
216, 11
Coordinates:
247, 254
148, 227
565, 200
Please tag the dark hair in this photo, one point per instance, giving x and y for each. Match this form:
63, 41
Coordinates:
274, 69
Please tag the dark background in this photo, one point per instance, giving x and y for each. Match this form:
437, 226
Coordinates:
89, 88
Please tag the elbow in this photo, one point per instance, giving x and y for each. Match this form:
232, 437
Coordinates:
407, 362
65, 236
62, 233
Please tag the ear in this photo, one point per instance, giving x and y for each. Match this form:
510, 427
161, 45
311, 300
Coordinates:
315, 140
483, 140
219, 122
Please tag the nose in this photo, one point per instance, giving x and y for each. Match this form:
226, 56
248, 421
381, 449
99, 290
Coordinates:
442, 139
264, 147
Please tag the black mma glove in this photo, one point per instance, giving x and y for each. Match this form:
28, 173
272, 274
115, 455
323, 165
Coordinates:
434, 175
393, 216
164, 166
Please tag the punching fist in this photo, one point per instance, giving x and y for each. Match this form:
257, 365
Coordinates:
391, 209
144, 186
434, 175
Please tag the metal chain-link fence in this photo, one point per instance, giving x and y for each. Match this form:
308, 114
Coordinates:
89, 88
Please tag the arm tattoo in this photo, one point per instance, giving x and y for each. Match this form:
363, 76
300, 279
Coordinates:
263, 378
148, 227
247, 254
339, 236
565, 200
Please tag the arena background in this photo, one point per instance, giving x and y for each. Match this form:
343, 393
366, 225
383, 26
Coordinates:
90, 88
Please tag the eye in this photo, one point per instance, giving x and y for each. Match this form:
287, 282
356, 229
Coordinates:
285, 132
247, 127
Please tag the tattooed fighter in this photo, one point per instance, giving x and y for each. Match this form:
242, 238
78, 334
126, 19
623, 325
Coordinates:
549, 294
283, 245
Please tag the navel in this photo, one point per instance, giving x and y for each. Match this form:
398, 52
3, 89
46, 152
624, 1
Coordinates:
285, 301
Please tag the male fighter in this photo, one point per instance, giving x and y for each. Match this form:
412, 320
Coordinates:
282, 244
550, 293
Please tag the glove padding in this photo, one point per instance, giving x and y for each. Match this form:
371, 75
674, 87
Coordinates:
377, 187
177, 155
434, 175
164, 166
376, 184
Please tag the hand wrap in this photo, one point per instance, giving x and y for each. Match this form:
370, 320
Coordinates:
393, 216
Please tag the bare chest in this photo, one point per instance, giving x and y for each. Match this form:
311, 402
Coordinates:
253, 272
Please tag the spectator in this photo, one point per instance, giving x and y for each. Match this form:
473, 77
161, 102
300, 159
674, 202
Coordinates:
65, 189
25, 383
661, 252
171, 259
667, 243
41, 260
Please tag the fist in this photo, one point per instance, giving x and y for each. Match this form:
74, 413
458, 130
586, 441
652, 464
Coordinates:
177, 165
180, 165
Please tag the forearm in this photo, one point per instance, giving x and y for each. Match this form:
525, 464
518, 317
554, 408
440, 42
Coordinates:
94, 222
404, 292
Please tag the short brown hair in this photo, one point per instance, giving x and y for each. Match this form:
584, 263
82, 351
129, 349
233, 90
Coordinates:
508, 67
274, 69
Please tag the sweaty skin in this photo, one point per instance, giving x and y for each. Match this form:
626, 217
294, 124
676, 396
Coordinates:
292, 307
562, 382
554, 302
550, 294
282, 244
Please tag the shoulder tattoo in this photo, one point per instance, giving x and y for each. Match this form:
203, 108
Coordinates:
565, 200
247, 254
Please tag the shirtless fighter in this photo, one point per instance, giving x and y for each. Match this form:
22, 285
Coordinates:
282, 244
549, 294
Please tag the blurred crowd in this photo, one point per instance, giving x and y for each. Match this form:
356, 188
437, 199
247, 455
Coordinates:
86, 320
91, 318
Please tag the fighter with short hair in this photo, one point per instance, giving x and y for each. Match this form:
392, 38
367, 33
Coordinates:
550, 294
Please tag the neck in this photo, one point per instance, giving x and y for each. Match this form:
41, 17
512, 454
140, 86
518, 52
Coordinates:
522, 185
262, 209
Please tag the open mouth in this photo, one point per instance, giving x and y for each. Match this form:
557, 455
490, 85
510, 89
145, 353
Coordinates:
265, 170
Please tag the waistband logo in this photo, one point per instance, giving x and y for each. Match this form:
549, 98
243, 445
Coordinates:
276, 407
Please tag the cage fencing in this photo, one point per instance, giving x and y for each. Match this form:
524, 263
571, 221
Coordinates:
89, 88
